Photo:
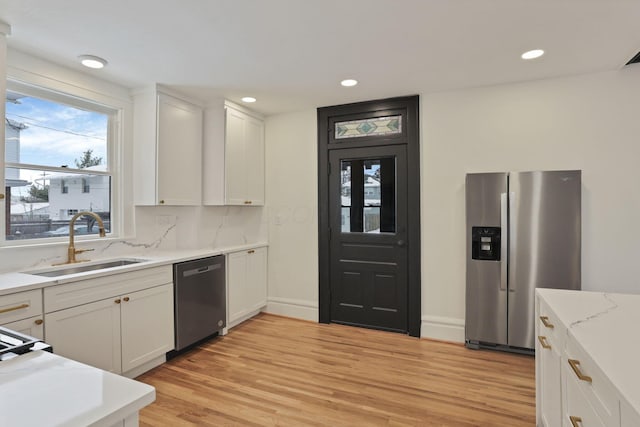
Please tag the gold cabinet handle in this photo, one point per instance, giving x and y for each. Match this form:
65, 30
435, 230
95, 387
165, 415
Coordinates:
17, 307
247, 202
575, 365
575, 421
543, 342
117, 301
545, 322
250, 251
126, 299
162, 202
39, 321
1, 196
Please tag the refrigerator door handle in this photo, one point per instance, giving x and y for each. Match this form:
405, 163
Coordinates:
512, 236
504, 214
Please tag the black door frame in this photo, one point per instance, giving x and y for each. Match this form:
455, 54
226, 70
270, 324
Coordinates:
408, 107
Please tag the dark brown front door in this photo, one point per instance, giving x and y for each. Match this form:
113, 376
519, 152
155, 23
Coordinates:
369, 237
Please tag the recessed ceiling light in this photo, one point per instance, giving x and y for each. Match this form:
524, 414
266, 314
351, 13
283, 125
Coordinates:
533, 54
349, 82
248, 99
92, 61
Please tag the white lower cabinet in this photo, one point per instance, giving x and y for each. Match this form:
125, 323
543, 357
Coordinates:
572, 390
550, 336
115, 334
246, 284
117, 323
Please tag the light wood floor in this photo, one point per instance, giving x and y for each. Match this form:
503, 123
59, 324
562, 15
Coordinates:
278, 371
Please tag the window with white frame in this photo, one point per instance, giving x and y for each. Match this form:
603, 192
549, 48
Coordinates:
57, 162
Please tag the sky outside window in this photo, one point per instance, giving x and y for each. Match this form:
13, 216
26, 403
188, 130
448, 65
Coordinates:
56, 134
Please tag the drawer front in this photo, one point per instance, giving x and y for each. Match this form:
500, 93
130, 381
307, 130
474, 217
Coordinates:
599, 392
549, 326
579, 406
86, 291
33, 326
21, 305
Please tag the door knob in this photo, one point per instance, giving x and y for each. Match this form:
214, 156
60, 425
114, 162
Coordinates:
401, 243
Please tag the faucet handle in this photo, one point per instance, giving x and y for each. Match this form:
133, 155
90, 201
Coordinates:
79, 251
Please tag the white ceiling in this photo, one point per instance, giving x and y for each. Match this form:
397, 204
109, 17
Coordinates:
292, 54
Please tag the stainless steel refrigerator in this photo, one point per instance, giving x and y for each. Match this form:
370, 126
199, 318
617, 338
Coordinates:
523, 232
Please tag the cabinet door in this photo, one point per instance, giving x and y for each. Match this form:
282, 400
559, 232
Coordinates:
254, 151
147, 325
257, 278
549, 383
236, 169
32, 326
89, 333
238, 300
179, 162
578, 406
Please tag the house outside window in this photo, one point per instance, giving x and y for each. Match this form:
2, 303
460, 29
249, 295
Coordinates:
57, 161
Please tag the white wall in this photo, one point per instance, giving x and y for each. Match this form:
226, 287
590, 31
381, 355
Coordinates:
291, 193
587, 122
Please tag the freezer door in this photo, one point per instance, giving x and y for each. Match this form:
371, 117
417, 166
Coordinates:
486, 295
544, 243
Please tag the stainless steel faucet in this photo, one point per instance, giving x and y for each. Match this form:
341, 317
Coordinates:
72, 251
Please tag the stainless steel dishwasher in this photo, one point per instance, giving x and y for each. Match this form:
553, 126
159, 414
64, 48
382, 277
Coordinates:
200, 299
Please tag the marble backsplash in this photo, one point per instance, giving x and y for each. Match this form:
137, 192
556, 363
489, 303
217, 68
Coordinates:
156, 228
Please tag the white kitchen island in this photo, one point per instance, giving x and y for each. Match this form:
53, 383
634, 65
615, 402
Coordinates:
41, 389
587, 359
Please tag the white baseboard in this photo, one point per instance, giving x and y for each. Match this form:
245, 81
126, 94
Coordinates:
296, 308
133, 373
442, 328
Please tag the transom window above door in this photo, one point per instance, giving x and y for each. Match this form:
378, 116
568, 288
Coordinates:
378, 126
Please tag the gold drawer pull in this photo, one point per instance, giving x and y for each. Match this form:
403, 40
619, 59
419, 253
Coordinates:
126, 299
575, 366
39, 321
543, 342
545, 322
117, 301
575, 421
17, 307
247, 202
250, 251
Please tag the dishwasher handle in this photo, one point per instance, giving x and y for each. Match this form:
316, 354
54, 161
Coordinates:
201, 270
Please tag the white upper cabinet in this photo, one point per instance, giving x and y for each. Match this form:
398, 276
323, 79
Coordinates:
234, 156
167, 150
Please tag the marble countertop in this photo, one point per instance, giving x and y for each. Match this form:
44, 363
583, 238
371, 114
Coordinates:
21, 281
42, 389
604, 324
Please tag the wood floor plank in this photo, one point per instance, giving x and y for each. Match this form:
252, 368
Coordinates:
275, 371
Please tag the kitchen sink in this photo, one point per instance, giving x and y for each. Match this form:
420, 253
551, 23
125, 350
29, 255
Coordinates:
81, 268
